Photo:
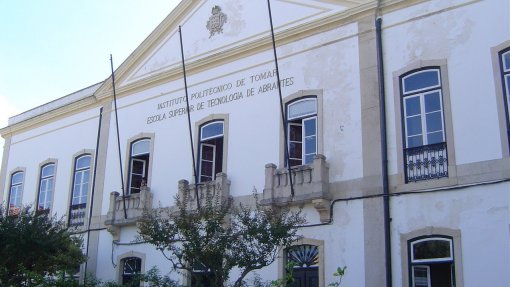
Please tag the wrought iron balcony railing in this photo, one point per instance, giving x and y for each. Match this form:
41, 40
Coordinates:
426, 162
77, 214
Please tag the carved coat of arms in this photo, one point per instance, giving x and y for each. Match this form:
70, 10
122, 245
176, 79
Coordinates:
216, 21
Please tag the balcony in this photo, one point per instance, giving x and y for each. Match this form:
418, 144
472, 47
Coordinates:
136, 204
218, 190
310, 182
426, 162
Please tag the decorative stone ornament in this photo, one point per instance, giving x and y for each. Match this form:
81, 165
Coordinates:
216, 21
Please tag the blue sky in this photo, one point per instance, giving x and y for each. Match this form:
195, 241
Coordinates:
51, 48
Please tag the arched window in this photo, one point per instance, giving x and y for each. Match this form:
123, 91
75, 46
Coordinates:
306, 264
425, 151
139, 164
431, 262
130, 267
46, 183
211, 150
80, 190
302, 130
15, 193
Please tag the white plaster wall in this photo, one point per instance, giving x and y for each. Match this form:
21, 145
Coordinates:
59, 140
462, 32
324, 61
343, 244
480, 213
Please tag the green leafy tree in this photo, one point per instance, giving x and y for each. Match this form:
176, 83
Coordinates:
220, 236
35, 246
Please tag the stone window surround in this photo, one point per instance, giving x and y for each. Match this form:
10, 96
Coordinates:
199, 124
127, 162
120, 266
431, 231
16, 170
282, 255
75, 156
500, 95
448, 126
41, 165
318, 93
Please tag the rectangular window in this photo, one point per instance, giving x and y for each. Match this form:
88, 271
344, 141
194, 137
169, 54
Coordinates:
131, 266
302, 131
505, 74
425, 151
45, 196
431, 262
211, 150
80, 190
138, 165
15, 193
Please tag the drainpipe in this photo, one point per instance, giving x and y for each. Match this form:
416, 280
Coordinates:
384, 153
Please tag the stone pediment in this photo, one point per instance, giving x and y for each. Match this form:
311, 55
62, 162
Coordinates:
212, 27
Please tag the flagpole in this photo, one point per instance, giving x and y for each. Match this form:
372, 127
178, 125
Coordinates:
118, 139
189, 119
284, 118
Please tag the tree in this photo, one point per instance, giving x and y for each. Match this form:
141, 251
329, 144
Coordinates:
35, 246
210, 241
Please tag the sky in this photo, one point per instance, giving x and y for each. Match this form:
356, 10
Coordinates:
51, 48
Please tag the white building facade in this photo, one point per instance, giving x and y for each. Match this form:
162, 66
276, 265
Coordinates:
417, 197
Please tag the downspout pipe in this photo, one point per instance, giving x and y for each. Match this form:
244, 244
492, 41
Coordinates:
384, 152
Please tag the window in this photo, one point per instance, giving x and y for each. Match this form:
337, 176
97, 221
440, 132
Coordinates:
46, 184
302, 131
130, 267
202, 276
505, 74
139, 164
15, 193
211, 150
425, 154
431, 262
80, 190
306, 268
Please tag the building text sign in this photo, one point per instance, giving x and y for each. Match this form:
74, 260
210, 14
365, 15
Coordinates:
256, 84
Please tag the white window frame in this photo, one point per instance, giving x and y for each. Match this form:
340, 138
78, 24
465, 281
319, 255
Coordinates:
49, 181
442, 259
422, 93
302, 119
132, 159
16, 188
427, 268
203, 142
202, 160
82, 194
